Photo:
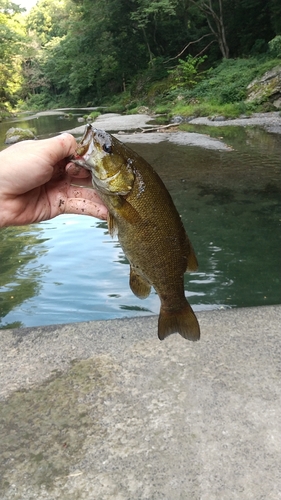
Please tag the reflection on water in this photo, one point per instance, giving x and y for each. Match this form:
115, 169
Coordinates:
69, 269
44, 125
21, 270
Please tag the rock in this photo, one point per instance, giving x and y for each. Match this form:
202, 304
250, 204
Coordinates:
14, 135
81, 119
143, 110
218, 118
277, 103
177, 119
266, 88
189, 118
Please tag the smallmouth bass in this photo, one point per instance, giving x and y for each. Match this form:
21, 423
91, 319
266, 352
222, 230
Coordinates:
149, 228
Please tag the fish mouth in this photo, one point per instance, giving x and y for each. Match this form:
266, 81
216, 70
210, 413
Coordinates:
92, 145
80, 161
86, 147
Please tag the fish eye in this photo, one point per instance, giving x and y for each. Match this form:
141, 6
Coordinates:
107, 148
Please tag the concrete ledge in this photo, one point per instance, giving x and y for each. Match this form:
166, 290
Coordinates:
104, 410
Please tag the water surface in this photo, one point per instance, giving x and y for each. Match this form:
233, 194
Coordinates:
69, 269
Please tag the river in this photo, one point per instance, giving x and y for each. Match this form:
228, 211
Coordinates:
70, 270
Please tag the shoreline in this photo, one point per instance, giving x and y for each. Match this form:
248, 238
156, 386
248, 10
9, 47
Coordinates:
270, 121
126, 129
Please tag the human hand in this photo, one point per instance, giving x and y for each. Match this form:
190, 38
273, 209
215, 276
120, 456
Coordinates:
35, 183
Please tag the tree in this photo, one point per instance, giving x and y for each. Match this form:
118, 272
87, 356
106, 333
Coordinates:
147, 16
47, 64
12, 36
49, 19
275, 15
213, 11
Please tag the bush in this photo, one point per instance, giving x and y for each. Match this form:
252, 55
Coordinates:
186, 74
228, 82
275, 46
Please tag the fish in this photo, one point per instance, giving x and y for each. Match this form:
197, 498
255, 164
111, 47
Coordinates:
149, 228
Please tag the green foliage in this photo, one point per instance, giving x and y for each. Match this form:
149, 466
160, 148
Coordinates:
147, 10
74, 52
94, 114
213, 108
49, 19
151, 81
186, 74
222, 91
275, 46
11, 35
227, 83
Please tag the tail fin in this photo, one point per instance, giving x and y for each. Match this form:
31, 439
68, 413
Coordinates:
184, 322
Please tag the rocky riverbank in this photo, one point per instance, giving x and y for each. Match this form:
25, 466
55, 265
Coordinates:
132, 128
116, 122
271, 122
143, 128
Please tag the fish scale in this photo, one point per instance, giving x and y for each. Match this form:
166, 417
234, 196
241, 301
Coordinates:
149, 228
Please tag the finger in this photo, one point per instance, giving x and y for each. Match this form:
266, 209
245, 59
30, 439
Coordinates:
83, 192
85, 207
76, 171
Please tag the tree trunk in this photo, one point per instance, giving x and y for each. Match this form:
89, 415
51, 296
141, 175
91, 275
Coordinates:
148, 46
215, 22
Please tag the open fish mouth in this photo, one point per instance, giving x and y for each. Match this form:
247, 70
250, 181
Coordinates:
80, 161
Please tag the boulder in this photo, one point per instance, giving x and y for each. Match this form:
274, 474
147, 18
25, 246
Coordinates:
266, 88
18, 134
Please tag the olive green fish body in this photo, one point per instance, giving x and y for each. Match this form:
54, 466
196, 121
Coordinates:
150, 230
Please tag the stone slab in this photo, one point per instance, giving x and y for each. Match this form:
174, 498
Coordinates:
103, 410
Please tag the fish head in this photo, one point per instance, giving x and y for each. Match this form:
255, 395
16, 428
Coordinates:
101, 153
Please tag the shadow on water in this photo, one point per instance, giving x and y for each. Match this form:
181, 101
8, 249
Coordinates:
69, 269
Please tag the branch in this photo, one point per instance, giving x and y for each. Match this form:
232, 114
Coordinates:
183, 50
159, 128
218, 30
205, 48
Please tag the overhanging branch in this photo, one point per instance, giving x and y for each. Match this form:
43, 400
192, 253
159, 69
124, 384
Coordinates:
186, 47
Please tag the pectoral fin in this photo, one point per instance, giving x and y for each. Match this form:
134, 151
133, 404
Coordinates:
125, 209
139, 286
112, 225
